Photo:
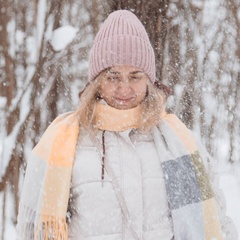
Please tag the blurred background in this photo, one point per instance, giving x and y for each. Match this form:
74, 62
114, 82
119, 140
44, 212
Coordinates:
44, 48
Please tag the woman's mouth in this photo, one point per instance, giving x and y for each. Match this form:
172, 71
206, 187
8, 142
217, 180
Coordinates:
123, 101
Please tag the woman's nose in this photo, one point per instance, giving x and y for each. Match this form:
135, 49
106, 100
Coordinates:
124, 87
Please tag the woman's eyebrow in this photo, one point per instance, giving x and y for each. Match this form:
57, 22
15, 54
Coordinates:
113, 72
135, 72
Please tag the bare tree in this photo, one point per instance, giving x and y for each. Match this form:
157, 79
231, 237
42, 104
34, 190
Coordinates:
197, 54
194, 43
37, 80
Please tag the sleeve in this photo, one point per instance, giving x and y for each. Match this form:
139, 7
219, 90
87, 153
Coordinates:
228, 227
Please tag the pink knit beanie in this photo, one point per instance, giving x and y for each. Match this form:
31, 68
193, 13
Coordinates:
122, 40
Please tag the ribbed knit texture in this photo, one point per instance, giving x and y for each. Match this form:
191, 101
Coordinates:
122, 40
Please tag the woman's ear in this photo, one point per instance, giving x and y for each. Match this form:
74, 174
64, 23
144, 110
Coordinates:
98, 96
147, 91
166, 90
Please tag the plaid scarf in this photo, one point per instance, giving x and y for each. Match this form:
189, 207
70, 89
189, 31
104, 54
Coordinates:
190, 195
44, 199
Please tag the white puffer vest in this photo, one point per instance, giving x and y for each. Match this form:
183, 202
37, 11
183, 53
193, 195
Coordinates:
94, 206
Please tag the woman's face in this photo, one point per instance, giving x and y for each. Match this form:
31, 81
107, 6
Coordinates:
123, 87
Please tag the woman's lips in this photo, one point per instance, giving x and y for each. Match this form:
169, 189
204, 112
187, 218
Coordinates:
124, 100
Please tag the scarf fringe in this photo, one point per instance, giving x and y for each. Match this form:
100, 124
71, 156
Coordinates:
25, 226
41, 227
51, 228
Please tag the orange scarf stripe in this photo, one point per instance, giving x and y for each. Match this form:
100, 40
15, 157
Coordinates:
182, 132
62, 134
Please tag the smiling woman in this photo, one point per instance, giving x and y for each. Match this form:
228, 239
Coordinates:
120, 167
123, 87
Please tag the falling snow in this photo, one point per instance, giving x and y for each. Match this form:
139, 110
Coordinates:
205, 42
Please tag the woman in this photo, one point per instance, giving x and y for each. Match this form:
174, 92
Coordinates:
120, 167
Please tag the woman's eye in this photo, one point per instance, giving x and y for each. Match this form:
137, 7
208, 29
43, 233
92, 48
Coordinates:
113, 78
135, 78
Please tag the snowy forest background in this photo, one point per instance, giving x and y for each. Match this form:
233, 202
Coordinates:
44, 49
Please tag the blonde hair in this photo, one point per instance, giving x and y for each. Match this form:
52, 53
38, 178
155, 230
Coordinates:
152, 106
